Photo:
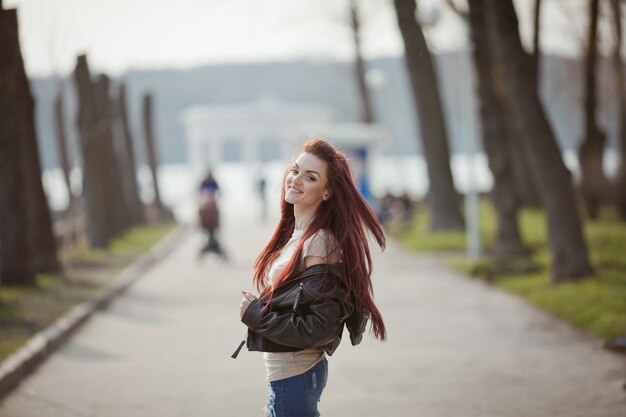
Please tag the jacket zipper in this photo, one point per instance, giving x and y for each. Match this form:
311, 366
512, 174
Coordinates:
295, 303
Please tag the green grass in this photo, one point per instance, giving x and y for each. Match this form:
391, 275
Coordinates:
596, 304
139, 239
10, 344
26, 310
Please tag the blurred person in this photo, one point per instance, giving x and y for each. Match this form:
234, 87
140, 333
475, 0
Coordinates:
314, 277
209, 214
209, 184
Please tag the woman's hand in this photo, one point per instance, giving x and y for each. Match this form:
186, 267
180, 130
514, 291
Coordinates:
245, 302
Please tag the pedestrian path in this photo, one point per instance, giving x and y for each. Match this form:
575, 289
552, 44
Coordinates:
456, 348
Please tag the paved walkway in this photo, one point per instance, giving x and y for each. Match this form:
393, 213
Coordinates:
457, 348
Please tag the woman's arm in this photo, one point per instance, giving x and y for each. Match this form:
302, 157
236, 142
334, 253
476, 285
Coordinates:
321, 324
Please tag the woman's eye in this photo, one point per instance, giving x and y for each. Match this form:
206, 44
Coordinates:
294, 171
309, 178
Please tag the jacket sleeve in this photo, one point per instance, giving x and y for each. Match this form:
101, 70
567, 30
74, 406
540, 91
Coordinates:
321, 324
356, 324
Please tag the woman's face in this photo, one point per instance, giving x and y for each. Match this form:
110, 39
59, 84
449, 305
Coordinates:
307, 181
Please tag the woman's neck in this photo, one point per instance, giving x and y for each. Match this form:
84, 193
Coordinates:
303, 216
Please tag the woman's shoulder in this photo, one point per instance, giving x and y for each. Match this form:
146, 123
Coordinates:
323, 234
322, 237
321, 244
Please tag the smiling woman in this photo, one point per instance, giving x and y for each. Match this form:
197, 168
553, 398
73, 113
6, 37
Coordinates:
307, 186
314, 278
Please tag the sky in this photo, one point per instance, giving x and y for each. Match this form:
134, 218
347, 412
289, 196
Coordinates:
119, 35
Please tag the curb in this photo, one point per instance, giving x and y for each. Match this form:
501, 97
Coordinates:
21, 363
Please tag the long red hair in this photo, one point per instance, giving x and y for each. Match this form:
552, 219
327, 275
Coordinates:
348, 217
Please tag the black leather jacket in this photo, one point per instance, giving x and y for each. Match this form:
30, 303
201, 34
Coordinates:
307, 311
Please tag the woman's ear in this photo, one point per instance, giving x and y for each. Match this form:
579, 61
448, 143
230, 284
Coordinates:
326, 195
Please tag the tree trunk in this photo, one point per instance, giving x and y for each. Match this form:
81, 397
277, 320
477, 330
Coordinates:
367, 110
567, 244
520, 179
116, 201
620, 180
151, 150
496, 141
61, 139
127, 159
95, 184
40, 230
526, 191
443, 199
593, 183
15, 265
42, 242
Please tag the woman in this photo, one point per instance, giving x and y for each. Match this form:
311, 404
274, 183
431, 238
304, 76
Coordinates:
314, 278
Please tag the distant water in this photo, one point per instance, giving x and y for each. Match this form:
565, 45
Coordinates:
394, 174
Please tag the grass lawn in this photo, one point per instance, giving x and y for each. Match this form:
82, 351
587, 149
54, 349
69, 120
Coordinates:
596, 303
25, 311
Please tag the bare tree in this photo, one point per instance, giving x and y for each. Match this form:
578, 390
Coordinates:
126, 156
15, 265
116, 198
95, 184
540, 149
443, 199
496, 137
152, 151
23, 168
618, 63
495, 109
593, 183
367, 110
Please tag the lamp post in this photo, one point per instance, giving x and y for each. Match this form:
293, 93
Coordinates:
467, 122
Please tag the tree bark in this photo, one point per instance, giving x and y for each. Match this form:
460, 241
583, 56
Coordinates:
443, 199
116, 201
525, 189
151, 150
95, 184
620, 179
540, 149
15, 265
43, 253
496, 141
127, 159
61, 141
593, 183
521, 184
367, 110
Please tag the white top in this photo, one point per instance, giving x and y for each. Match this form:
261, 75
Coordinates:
281, 365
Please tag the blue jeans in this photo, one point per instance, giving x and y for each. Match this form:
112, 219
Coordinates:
298, 395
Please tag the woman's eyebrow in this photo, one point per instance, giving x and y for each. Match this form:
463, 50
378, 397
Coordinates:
309, 171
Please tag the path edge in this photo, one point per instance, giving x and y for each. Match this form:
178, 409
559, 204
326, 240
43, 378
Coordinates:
25, 360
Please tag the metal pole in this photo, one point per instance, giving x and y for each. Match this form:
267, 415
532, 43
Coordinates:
467, 117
